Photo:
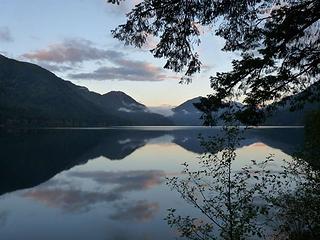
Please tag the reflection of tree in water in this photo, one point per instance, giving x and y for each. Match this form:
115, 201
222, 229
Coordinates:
297, 202
299, 206
311, 151
29, 158
256, 201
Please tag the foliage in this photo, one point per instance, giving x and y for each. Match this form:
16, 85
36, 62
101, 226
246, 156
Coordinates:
278, 41
279, 47
114, 1
228, 200
31, 96
296, 202
254, 201
311, 151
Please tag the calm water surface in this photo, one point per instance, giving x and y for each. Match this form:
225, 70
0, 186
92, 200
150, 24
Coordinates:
107, 183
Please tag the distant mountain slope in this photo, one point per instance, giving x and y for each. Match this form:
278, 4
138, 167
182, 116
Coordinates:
186, 114
187, 106
283, 115
31, 95
165, 109
121, 102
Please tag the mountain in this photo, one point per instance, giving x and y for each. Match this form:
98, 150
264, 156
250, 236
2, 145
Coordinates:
186, 114
122, 102
165, 110
31, 95
284, 116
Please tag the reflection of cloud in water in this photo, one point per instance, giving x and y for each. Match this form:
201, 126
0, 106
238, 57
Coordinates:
72, 199
126, 180
139, 211
55, 182
3, 217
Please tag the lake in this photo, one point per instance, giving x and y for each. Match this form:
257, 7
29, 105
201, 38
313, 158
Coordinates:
108, 183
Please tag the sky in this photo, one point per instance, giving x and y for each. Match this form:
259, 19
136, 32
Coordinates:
72, 38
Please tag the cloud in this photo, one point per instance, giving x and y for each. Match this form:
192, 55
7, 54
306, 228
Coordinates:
125, 110
55, 68
67, 55
5, 35
124, 69
71, 51
135, 71
4, 53
165, 110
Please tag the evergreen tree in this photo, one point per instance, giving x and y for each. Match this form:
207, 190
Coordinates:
279, 43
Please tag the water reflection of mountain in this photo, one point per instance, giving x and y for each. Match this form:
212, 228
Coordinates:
288, 140
30, 158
